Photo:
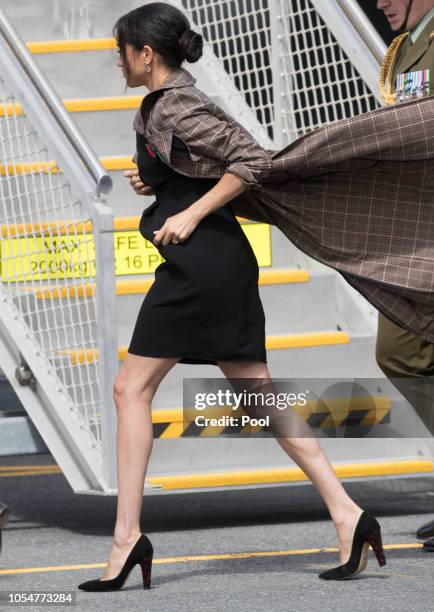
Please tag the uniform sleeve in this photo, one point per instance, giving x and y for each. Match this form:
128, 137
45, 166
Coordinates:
209, 131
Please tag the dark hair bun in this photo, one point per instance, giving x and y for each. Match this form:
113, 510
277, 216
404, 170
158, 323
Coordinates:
190, 46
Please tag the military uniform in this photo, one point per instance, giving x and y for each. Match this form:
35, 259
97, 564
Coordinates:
406, 358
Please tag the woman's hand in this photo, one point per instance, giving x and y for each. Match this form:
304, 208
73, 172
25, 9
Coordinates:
177, 228
135, 182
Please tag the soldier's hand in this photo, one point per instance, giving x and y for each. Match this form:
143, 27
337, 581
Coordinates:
139, 187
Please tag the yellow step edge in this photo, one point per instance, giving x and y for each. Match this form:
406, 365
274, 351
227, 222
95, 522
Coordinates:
307, 339
110, 162
278, 276
83, 105
13, 169
61, 228
302, 340
270, 476
329, 412
73, 44
141, 286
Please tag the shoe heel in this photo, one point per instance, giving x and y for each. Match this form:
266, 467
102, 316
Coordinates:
374, 540
146, 566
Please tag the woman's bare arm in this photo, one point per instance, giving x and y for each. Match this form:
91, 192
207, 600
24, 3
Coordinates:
229, 187
178, 227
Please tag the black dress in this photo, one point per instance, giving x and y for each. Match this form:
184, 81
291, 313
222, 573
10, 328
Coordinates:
204, 303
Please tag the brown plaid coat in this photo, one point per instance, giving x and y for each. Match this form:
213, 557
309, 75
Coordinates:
357, 194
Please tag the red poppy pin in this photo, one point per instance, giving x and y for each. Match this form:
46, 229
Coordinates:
153, 151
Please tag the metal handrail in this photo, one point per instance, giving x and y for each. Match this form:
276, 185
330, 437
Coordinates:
103, 181
364, 28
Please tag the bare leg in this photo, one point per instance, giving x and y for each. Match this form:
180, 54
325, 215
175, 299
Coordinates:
135, 386
310, 457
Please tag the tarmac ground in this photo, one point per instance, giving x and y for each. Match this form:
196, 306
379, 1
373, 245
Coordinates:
244, 550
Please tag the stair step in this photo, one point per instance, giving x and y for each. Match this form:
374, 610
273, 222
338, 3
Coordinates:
77, 44
276, 276
131, 223
83, 105
283, 341
329, 413
109, 162
86, 56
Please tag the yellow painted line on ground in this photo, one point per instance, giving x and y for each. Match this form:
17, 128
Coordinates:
266, 476
290, 474
195, 558
74, 44
10, 471
29, 473
6, 468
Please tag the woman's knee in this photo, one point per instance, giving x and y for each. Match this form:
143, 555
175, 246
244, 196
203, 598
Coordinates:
140, 376
128, 386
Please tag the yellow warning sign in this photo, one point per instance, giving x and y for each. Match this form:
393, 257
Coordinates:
65, 257
259, 236
47, 257
134, 254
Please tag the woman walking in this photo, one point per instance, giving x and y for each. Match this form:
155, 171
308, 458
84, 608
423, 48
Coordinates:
204, 305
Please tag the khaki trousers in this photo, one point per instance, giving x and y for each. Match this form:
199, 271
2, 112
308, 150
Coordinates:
408, 360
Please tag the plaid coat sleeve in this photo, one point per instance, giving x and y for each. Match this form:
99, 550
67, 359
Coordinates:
209, 132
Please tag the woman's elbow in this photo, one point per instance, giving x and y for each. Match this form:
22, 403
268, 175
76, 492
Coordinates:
252, 171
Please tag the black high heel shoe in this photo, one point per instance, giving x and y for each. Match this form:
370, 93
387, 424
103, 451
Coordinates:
367, 533
141, 553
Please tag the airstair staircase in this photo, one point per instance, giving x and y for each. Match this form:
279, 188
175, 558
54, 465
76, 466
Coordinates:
318, 327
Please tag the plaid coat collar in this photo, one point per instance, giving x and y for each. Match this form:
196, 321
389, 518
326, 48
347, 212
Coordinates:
179, 77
